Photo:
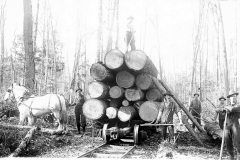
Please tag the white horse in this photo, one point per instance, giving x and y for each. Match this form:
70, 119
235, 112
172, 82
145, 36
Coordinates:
31, 106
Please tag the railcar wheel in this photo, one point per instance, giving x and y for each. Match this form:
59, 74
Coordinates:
136, 135
105, 137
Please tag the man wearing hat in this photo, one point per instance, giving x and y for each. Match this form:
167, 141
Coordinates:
220, 112
232, 132
196, 109
165, 115
78, 110
130, 40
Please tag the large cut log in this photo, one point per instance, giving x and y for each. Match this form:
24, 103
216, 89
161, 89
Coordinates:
213, 129
100, 73
148, 111
24, 142
125, 79
159, 84
94, 109
125, 102
154, 95
116, 92
134, 94
138, 61
98, 90
114, 60
144, 81
127, 113
111, 112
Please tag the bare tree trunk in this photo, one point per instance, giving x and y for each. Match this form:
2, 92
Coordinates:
226, 74
28, 45
36, 29
46, 60
117, 23
99, 39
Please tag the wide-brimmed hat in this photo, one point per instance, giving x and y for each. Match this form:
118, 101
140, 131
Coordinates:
222, 98
231, 93
79, 89
168, 93
196, 94
131, 17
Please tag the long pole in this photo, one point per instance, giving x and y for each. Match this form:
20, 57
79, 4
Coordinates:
224, 129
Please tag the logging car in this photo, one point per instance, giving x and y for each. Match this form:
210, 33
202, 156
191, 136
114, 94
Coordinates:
125, 96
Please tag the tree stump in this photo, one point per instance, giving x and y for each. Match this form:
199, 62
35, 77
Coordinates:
100, 73
98, 90
116, 92
114, 60
138, 61
125, 79
94, 109
134, 94
127, 113
154, 95
148, 111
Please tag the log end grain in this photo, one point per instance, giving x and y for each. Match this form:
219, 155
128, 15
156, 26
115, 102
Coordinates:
98, 90
154, 95
116, 92
94, 109
100, 73
144, 81
136, 60
126, 113
134, 94
111, 112
114, 59
125, 79
148, 111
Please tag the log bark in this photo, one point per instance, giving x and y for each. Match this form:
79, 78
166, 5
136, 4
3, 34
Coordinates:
213, 129
100, 73
24, 142
111, 112
125, 102
95, 109
138, 61
98, 90
148, 111
127, 113
154, 95
116, 92
161, 83
125, 79
114, 60
134, 94
144, 81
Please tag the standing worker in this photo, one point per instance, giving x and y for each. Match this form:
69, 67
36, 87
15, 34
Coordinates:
220, 112
79, 111
196, 109
130, 40
165, 115
232, 132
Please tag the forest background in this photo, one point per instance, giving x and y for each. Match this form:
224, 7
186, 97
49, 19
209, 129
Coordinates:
193, 43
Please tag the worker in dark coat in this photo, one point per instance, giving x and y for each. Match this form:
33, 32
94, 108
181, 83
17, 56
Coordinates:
220, 112
196, 109
165, 115
79, 111
130, 39
232, 132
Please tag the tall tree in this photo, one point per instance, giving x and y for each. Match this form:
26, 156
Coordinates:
2, 26
28, 44
99, 35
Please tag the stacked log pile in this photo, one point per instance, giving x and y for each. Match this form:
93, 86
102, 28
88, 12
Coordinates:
123, 88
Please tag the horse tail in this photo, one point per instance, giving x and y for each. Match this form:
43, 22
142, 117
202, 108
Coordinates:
63, 111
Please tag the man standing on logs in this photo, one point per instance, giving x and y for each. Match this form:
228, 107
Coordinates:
130, 40
79, 111
220, 112
232, 132
196, 109
165, 115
